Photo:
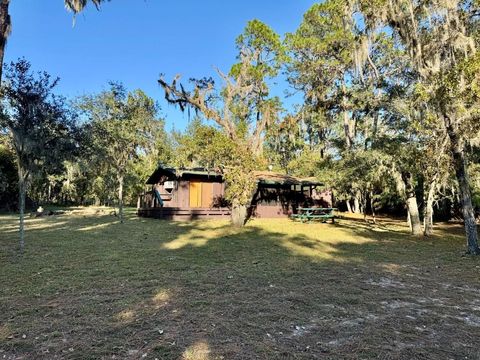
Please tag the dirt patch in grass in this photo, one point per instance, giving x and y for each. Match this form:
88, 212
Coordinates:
89, 287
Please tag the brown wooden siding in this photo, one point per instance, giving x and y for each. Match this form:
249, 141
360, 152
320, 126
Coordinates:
270, 201
181, 196
184, 213
271, 211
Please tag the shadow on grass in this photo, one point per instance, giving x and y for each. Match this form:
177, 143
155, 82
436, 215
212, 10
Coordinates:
90, 287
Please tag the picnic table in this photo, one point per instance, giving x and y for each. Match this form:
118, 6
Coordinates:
314, 213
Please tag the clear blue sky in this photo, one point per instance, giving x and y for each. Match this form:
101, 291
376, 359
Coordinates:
133, 41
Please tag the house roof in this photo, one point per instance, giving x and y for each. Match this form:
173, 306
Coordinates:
273, 178
172, 173
263, 177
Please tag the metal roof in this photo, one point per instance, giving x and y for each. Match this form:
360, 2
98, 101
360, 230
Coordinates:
263, 177
273, 178
173, 174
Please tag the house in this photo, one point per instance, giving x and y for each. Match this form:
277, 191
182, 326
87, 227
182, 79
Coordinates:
184, 194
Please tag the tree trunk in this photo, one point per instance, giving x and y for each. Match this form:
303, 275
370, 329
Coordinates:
4, 30
239, 215
412, 206
364, 206
21, 203
372, 206
347, 127
428, 215
349, 207
120, 198
460, 165
356, 203
404, 184
414, 216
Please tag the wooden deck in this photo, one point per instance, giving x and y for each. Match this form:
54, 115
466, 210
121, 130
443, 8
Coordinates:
178, 213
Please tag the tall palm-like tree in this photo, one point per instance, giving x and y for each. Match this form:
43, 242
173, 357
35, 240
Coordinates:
78, 5
5, 27
75, 6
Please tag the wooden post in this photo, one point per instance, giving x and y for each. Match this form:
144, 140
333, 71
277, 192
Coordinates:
153, 197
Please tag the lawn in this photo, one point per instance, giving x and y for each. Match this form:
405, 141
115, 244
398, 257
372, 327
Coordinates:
89, 287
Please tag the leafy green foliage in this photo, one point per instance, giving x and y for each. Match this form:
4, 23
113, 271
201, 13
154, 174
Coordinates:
206, 146
40, 127
265, 48
125, 137
8, 175
39, 123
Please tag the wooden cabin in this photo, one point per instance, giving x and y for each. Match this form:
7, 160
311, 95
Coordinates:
184, 194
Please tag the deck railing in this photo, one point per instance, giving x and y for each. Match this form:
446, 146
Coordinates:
178, 213
147, 200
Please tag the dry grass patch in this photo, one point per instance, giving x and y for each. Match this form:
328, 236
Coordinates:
89, 287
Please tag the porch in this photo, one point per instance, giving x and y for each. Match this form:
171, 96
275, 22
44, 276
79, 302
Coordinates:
187, 213
148, 205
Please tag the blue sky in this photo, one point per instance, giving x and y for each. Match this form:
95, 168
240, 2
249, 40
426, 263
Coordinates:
133, 41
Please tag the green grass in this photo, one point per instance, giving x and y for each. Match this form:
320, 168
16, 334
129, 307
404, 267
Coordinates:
88, 287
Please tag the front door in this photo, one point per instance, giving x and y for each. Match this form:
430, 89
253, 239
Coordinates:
201, 194
195, 194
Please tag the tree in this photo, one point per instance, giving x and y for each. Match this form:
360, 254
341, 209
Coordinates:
5, 29
78, 5
200, 145
242, 108
356, 73
157, 149
121, 125
340, 94
38, 123
322, 63
401, 143
441, 41
8, 174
